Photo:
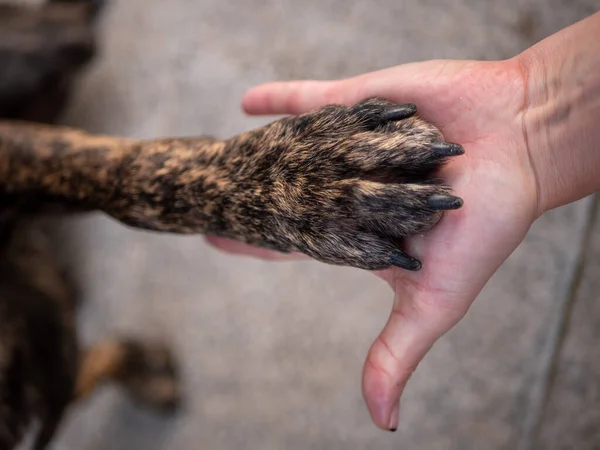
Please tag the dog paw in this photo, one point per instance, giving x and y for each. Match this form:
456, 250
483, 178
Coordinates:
345, 185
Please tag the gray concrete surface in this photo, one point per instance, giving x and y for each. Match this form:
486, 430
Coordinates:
571, 416
272, 353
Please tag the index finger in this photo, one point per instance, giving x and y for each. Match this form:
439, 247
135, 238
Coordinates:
409, 83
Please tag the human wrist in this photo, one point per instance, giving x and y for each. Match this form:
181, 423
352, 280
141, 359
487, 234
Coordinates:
561, 113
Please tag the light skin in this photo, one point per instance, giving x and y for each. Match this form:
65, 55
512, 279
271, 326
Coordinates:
530, 127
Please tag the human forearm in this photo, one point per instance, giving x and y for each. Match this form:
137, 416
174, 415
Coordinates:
562, 113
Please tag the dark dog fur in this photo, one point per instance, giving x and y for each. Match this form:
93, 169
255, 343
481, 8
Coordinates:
343, 185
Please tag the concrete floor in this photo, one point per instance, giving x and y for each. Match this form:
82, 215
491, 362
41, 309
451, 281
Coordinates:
272, 353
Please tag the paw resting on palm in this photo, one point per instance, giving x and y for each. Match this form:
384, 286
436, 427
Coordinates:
345, 185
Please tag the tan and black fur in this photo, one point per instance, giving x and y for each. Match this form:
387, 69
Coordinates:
341, 184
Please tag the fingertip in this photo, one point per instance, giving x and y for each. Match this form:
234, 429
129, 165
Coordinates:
289, 97
394, 416
255, 100
378, 395
285, 97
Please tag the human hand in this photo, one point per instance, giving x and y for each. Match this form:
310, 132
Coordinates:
480, 106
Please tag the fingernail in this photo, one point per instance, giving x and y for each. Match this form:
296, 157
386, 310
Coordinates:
393, 426
447, 149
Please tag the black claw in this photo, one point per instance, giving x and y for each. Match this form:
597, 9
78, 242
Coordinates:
404, 261
444, 201
447, 149
399, 112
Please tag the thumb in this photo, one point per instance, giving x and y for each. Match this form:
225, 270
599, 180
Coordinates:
415, 324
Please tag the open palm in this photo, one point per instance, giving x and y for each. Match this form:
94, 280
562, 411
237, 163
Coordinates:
479, 105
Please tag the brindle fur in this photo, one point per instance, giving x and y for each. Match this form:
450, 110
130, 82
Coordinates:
341, 184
